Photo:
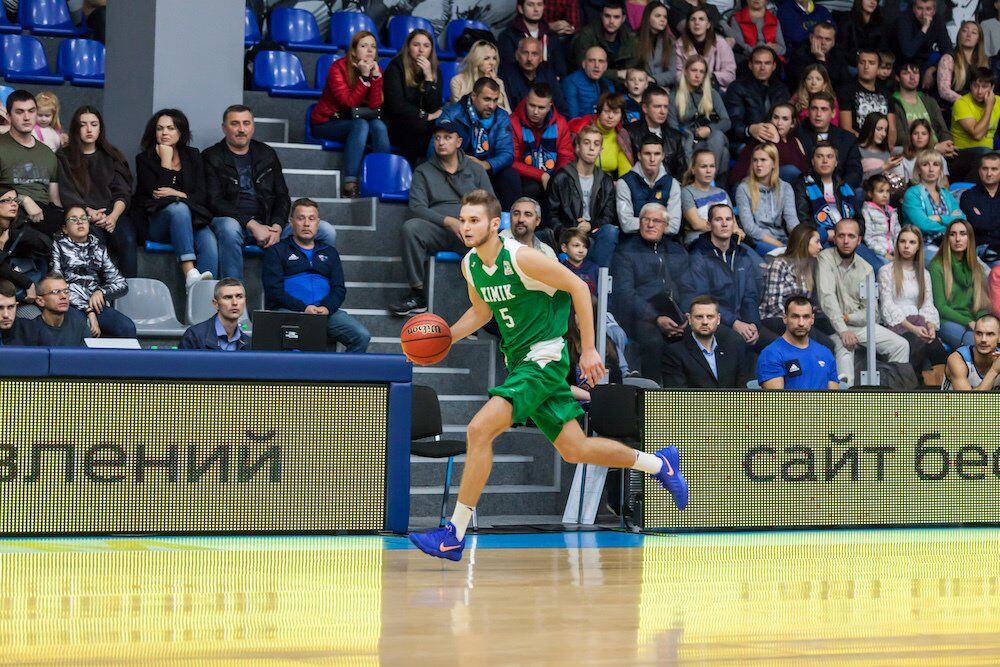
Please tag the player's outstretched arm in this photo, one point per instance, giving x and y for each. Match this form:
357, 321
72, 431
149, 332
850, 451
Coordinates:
546, 270
474, 319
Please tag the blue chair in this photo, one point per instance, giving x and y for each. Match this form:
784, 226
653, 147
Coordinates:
448, 70
343, 25
386, 176
280, 74
251, 29
310, 139
958, 187
81, 61
297, 30
323, 69
6, 27
384, 63
22, 60
47, 17
400, 28
5, 92
451, 34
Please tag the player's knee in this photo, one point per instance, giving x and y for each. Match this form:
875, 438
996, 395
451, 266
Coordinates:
571, 452
479, 432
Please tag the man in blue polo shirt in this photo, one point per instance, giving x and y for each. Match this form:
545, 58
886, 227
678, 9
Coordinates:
794, 361
303, 275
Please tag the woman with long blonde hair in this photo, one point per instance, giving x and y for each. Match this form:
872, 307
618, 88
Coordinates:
766, 203
482, 60
699, 114
955, 69
958, 284
906, 304
412, 91
928, 203
350, 108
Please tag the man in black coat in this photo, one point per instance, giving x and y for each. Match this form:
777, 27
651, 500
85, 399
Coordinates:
247, 194
820, 49
750, 98
525, 69
818, 127
706, 358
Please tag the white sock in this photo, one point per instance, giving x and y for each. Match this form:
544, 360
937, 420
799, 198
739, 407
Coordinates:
647, 463
461, 518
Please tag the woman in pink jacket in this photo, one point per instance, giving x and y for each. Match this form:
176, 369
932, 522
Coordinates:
699, 38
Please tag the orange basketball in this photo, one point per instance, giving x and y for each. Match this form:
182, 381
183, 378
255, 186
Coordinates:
426, 339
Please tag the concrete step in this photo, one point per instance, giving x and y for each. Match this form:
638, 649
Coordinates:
271, 130
374, 295
497, 500
451, 380
461, 408
518, 459
378, 322
368, 267
313, 183
306, 156
281, 107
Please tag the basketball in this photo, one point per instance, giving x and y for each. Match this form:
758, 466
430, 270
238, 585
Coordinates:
426, 339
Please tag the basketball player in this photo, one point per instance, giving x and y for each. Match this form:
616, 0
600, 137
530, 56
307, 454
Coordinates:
976, 367
529, 296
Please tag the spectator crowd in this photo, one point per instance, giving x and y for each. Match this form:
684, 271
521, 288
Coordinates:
740, 176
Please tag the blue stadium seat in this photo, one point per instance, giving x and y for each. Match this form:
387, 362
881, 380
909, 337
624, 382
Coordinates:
958, 187
386, 176
6, 27
5, 92
47, 17
451, 34
455, 258
251, 29
297, 30
81, 61
325, 143
343, 25
280, 74
22, 60
384, 62
323, 69
448, 70
400, 28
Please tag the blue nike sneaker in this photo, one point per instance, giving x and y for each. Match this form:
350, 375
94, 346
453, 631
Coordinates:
670, 476
441, 542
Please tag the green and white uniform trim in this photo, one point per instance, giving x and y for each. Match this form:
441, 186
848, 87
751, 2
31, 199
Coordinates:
532, 317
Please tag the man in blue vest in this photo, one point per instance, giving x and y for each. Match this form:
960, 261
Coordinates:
648, 183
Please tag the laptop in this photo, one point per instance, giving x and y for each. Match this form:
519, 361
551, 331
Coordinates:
112, 343
277, 330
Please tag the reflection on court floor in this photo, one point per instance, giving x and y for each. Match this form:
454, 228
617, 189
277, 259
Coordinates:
865, 597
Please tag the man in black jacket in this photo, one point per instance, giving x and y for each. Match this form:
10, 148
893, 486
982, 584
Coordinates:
820, 49
221, 332
655, 107
530, 22
527, 68
647, 269
707, 357
582, 196
817, 127
304, 275
247, 194
920, 33
750, 98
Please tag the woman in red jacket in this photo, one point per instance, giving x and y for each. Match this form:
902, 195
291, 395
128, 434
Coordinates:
350, 108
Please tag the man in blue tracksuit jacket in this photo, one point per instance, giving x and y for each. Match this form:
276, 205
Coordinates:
306, 276
486, 137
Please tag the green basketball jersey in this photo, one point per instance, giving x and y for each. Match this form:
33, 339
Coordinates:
532, 316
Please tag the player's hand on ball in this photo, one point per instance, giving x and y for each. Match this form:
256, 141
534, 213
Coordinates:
591, 367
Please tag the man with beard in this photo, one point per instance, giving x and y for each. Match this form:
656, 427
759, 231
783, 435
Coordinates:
525, 215
795, 361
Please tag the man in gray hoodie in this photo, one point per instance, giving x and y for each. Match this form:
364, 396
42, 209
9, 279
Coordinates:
435, 200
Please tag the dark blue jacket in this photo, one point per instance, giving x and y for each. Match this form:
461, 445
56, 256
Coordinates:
518, 86
644, 271
983, 212
290, 278
202, 336
501, 150
581, 93
729, 277
796, 24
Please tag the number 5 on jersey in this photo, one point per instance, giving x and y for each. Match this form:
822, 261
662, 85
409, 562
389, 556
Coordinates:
508, 320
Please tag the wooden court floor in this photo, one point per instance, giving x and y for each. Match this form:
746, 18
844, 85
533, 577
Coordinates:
927, 597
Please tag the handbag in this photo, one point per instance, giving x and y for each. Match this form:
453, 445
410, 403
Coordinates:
365, 113
915, 320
